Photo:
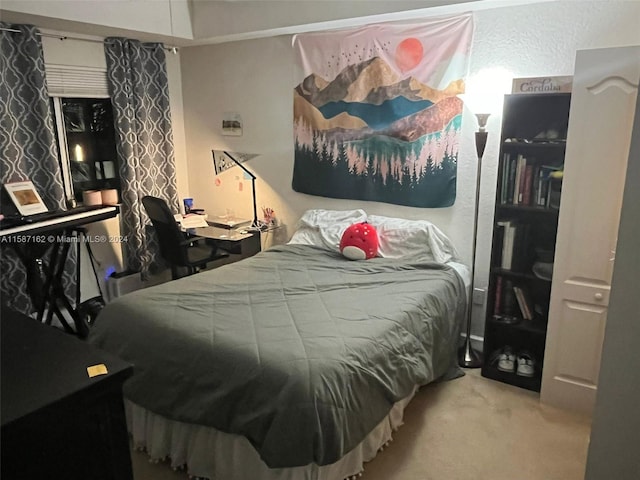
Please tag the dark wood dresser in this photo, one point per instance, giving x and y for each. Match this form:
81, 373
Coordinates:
57, 421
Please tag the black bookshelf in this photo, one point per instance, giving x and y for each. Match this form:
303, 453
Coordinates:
534, 131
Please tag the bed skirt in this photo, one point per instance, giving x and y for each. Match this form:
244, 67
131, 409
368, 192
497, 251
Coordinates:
207, 452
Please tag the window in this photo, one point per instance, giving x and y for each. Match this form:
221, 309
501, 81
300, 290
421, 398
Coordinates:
84, 128
86, 144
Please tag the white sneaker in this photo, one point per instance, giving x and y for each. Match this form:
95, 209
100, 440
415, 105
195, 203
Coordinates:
506, 360
526, 365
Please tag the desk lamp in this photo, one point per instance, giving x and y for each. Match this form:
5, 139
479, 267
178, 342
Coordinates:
254, 224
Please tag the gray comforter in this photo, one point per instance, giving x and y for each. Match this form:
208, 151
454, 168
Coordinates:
298, 349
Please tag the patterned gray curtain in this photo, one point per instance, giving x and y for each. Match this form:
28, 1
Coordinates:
139, 91
27, 147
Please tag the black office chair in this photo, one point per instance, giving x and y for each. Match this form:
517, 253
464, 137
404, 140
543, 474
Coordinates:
177, 247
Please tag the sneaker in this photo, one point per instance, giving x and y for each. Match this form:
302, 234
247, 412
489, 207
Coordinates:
506, 360
526, 365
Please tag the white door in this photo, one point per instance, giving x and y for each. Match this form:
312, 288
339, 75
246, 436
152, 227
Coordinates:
600, 121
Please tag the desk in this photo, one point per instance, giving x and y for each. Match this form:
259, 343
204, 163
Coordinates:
31, 242
238, 245
56, 421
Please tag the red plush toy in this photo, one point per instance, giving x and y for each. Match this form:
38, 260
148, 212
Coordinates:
359, 242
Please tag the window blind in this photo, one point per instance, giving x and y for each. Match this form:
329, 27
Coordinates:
76, 81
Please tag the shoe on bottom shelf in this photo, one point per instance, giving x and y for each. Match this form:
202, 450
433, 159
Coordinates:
526, 365
506, 360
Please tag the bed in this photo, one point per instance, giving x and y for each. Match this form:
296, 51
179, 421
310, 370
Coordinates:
295, 363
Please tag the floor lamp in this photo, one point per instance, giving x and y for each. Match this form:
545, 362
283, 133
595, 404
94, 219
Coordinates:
253, 187
467, 356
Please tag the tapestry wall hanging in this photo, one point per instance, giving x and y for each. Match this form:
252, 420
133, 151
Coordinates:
377, 116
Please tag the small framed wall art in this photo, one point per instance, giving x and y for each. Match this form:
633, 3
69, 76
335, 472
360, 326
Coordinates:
231, 124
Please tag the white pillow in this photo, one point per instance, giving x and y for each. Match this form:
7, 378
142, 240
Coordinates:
399, 238
324, 228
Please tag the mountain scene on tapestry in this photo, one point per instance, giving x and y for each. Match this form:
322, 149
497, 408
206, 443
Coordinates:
376, 114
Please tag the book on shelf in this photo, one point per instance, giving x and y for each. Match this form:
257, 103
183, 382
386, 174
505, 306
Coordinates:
534, 185
540, 187
526, 183
508, 245
506, 160
512, 245
524, 303
509, 301
528, 303
528, 180
518, 185
517, 180
498, 297
544, 184
508, 236
496, 245
511, 178
520, 299
553, 193
521, 251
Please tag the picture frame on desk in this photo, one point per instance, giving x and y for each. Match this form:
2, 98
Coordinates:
25, 197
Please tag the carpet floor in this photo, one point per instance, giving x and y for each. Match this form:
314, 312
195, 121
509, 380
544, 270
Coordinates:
467, 429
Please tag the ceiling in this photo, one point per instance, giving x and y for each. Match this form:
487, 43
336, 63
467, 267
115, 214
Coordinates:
200, 22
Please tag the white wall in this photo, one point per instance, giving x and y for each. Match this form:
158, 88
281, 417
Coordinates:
255, 78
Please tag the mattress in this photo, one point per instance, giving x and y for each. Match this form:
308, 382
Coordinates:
296, 349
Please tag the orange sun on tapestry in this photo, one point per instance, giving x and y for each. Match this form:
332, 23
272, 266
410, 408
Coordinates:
376, 112
409, 54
